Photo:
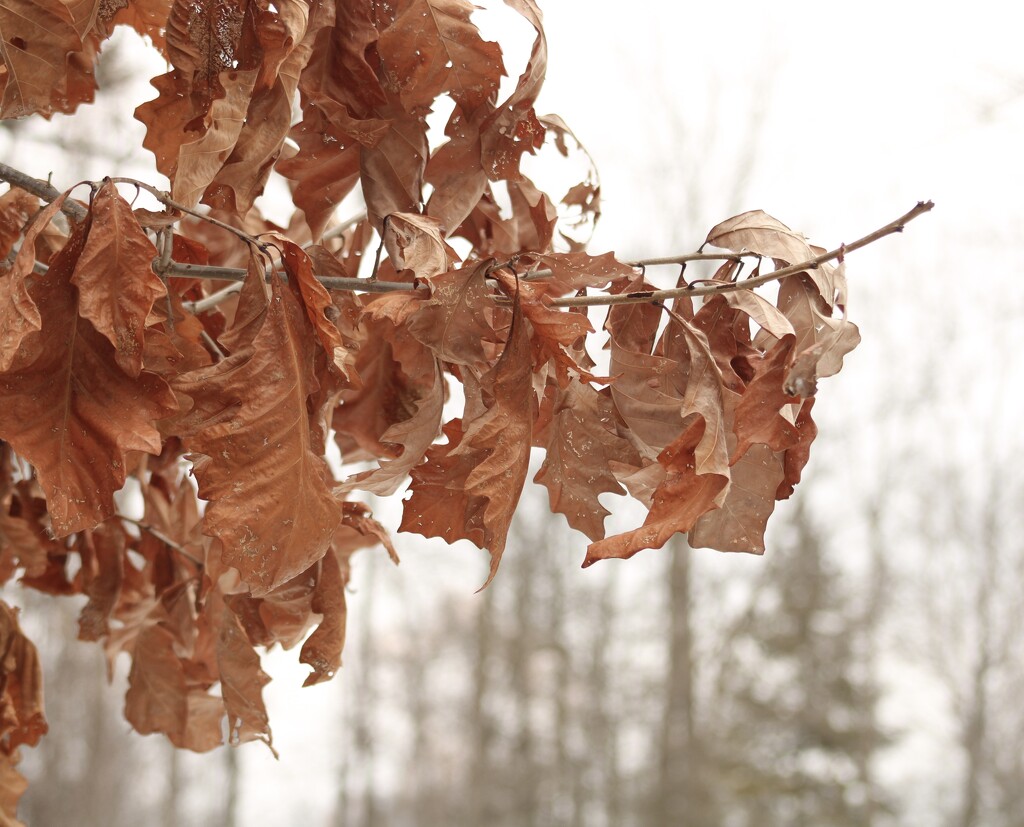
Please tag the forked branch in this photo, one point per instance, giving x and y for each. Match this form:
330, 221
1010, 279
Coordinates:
48, 193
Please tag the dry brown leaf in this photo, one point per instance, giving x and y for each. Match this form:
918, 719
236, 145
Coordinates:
760, 414
432, 47
469, 486
415, 242
19, 315
114, 276
71, 412
797, 455
582, 444
322, 650
36, 38
757, 232
241, 681
392, 170
739, 524
454, 323
102, 573
22, 720
821, 340
513, 128
269, 498
679, 500
323, 171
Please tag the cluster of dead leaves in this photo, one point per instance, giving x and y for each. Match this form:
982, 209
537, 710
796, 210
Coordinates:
240, 534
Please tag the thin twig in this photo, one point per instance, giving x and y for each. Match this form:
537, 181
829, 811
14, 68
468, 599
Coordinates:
211, 343
727, 287
724, 256
163, 538
211, 301
47, 192
338, 230
205, 271
167, 201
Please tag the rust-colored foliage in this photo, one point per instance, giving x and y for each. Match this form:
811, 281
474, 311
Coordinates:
115, 368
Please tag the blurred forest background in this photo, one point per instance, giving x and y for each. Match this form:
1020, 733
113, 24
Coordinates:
866, 671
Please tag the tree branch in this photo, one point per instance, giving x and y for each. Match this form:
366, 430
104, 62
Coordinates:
42, 189
163, 538
173, 268
727, 287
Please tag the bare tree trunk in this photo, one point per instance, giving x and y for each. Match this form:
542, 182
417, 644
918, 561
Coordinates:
171, 815
604, 732
365, 702
479, 796
678, 768
231, 764
522, 646
975, 724
422, 807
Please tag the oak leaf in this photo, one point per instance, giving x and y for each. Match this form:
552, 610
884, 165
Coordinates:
322, 650
36, 39
19, 315
514, 128
114, 276
582, 444
739, 523
269, 498
432, 47
469, 487
679, 500
21, 709
454, 323
241, 681
70, 411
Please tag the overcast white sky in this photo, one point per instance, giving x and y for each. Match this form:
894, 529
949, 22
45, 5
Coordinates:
864, 109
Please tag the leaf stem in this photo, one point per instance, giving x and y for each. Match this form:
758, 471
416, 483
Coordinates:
163, 538
746, 284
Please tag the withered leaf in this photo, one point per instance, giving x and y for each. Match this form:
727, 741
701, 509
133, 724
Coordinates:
454, 323
433, 46
416, 392
22, 720
680, 499
242, 681
392, 170
114, 276
581, 443
514, 128
796, 456
455, 172
701, 390
103, 573
760, 412
757, 232
269, 497
159, 698
70, 411
821, 340
322, 650
316, 301
323, 171
414, 242
19, 315
469, 486
37, 36
739, 524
